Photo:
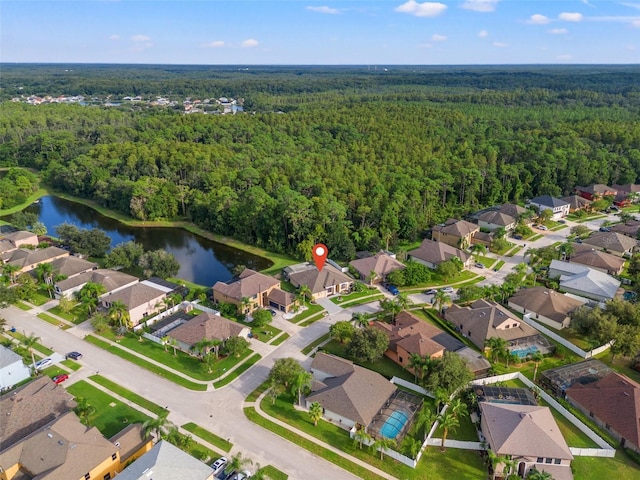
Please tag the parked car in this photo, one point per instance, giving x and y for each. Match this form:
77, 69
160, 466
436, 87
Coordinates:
478, 265
243, 475
44, 363
58, 379
272, 312
431, 291
393, 289
542, 227
605, 229
517, 237
74, 355
562, 221
218, 465
578, 240
447, 289
614, 208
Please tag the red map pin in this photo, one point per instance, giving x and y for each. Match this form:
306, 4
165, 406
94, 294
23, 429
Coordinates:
320, 253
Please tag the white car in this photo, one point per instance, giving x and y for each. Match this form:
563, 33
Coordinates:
243, 475
447, 289
44, 363
218, 465
542, 227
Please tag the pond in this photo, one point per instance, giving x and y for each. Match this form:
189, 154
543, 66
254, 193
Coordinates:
201, 261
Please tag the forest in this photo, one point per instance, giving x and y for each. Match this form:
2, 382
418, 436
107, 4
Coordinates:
352, 158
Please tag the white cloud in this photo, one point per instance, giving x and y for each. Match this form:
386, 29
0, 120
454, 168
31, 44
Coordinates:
558, 31
500, 44
438, 38
324, 9
249, 43
632, 5
483, 34
538, 19
114, 37
480, 5
564, 56
571, 16
140, 38
214, 44
426, 9
635, 23
425, 45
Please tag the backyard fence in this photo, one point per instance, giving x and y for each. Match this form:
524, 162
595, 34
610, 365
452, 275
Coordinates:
411, 386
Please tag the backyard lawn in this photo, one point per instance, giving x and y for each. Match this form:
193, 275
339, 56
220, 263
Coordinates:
593, 468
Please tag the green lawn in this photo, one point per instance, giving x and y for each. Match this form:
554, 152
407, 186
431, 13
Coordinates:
273, 473
238, 371
342, 299
311, 310
38, 347
363, 300
77, 315
484, 260
513, 251
439, 281
498, 265
465, 431
266, 333
571, 433
23, 306
40, 297
593, 468
71, 365
573, 337
110, 415
306, 350
280, 339
129, 395
209, 437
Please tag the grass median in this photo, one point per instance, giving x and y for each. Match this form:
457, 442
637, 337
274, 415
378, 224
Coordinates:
209, 437
238, 371
307, 350
129, 395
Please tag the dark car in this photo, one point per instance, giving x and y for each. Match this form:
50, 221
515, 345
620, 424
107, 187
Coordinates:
605, 229
517, 237
272, 312
58, 379
74, 355
562, 221
393, 289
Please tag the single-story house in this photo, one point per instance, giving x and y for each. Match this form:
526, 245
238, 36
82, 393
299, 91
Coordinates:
577, 203
630, 228
584, 281
12, 368
485, 319
70, 266
614, 404
496, 220
545, 306
559, 207
26, 259
329, 281
14, 240
596, 191
349, 394
167, 463
431, 254
598, 259
206, 326
111, 280
141, 301
527, 434
612, 242
457, 233
253, 290
375, 269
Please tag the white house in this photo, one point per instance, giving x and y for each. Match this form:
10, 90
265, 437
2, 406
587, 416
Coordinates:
559, 207
12, 368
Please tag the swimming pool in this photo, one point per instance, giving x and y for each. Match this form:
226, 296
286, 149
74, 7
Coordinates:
522, 353
394, 424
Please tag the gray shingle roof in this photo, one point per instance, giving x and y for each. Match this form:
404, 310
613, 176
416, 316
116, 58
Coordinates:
319, 281
382, 263
110, 279
548, 303
584, 279
585, 255
248, 284
8, 357
497, 218
615, 242
24, 257
70, 266
549, 201
206, 325
437, 252
135, 295
576, 201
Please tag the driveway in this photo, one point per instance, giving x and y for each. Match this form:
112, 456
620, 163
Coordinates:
329, 306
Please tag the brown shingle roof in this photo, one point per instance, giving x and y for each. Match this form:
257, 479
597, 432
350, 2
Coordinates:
630, 228
281, 297
523, 430
110, 279
358, 394
585, 255
512, 210
24, 257
248, 284
135, 295
206, 325
598, 189
627, 188
576, 202
457, 228
612, 241
319, 281
545, 302
382, 263
70, 266
437, 252
497, 218
615, 400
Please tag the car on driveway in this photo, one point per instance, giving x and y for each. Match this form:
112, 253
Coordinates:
218, 465
562, 221
431, 291
479, 265
272, 312
44, 363
58, 379
517, 237
393, 289
447, 289
542, 227
74, 355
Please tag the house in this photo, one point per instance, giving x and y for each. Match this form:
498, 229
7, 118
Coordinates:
630, 228
612, 242
431, 254
596, 191
14, 240
630, 191
485, 319
513, 210
457, 233
111, 280
527, 434
584, 281
577, 203
141, 301
26, 259
71, 266
375, 269
167, 463
545, 306
475, 362
349, 394
329, 281
496, 220
597, 259
559, 207
12, 368
614, 404
253, 290
559, 379
206, 326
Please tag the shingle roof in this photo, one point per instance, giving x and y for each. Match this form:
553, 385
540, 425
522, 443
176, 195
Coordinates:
483, 319
497, 218
584, 279
630, 228
24, 257
358, 394
382, 263
135, 295
248, 284
523, 430
549, 201
615, 400
437, 252
613, 241
545, 302
281, 297
627, 188
512, 210
20, 235
597, 188
70, 266
110, 279
576, 201
130, 440
457, 228
319, 281
206, 325
586, 255
31, 407
8, 357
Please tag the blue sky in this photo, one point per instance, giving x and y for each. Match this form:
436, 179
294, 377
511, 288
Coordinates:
321, 32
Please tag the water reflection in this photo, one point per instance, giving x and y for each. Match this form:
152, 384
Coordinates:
201, 261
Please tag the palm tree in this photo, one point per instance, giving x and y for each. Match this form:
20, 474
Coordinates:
84, 409
315, 412
373, 276
537, 358
447, 422
440, 299
567, 250
3, 323
498, 347
361, 436
237, 463
360, 320
535, 474
382, 444
209, 361
403, 301
120, 312
415, 362
425, 420
158, 425
244, 305
44, 271
29, 342
10, 271
174, 344
411, 446
477, 250
305, 293
89, 295
300, 383
457, 408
